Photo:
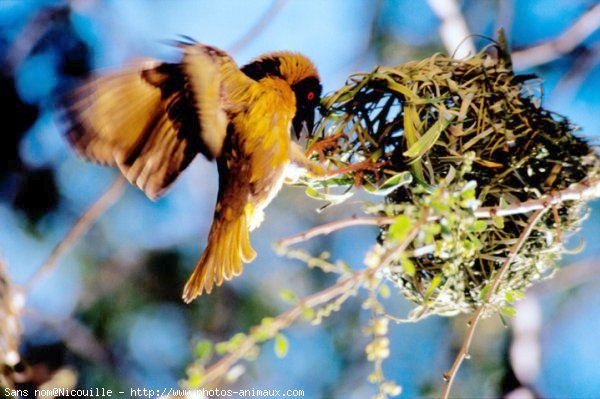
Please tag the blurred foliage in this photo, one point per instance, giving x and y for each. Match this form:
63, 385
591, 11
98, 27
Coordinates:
33, 189
11, 306
127, 300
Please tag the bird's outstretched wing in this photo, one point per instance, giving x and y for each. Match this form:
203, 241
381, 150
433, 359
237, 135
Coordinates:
151, 121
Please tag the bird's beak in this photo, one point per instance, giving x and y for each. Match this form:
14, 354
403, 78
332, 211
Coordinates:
304, 119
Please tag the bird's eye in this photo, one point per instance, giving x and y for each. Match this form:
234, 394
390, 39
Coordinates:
310, 96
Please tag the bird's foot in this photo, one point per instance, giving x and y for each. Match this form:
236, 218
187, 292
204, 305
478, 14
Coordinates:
320, 146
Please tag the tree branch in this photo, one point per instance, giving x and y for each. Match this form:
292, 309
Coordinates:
334, 226
220, 368
78, 229
464, 350
453, 28
543, 53
258, 27
570, 83
576, 192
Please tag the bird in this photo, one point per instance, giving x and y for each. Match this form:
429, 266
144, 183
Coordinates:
152, 119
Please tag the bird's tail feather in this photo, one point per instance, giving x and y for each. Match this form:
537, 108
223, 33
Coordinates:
228, 246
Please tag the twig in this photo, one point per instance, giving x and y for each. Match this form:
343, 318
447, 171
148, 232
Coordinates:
464, 350
504, 17
559, 238
570, 83
31, 33
78, 229
219, 368
77, 337
453, 28
530, 57
334, 226
363, 165
255, 30
576, 192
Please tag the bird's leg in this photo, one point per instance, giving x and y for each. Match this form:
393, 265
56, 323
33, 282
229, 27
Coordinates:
320, 146
357, 167
309, 168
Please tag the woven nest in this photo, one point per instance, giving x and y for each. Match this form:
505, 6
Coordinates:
474, 132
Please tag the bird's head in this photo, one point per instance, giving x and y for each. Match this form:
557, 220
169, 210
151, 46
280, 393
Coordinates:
302, 76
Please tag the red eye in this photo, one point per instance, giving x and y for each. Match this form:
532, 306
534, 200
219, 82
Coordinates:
310, 96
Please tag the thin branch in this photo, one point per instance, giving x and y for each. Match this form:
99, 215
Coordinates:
259, 26
77, 337
334, 226
31, 33
576, 192
505, 16
464, 350
543, 53
79, 228
356, 167
220, 368
570, 83
453, 28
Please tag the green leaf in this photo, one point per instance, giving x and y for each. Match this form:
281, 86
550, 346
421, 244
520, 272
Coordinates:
408, 266
468, 190
333, 199
203, 350
391, 184
195, 380
435, 282
400, 228
509, 297
421, 146
288, 295
384, 291
477, 226
499, 222
311, 192
308, 313
222, 347
484, 291
332, 182
411, 117
397, 87
518, 294
281, 346
508, 311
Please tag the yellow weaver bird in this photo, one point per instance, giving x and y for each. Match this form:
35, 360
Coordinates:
151, 121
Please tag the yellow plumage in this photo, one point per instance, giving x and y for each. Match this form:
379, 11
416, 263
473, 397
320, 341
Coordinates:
152, 121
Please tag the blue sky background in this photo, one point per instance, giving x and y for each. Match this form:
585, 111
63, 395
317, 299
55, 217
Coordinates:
122, 280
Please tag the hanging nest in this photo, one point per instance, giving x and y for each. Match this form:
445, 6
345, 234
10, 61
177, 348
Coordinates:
453, 135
